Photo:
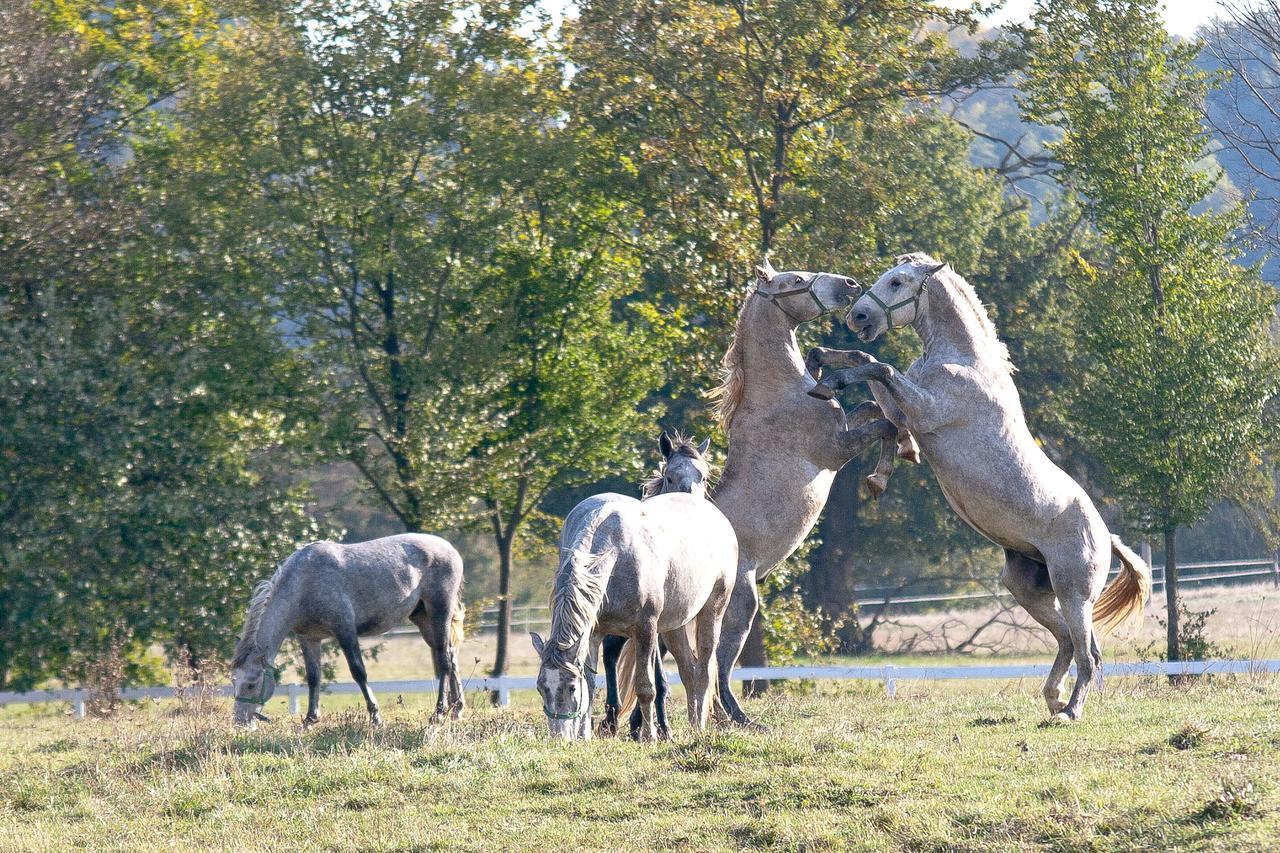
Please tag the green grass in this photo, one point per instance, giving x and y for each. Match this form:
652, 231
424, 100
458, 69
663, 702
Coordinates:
955, 766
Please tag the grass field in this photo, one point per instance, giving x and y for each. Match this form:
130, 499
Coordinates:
949, 766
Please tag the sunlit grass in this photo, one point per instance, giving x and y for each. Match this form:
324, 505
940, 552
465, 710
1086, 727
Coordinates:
968, 766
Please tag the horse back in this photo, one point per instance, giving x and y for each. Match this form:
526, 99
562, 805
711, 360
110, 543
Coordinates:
376, 583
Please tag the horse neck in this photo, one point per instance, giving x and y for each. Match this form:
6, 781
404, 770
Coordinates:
771, 355
946, 323
275, 624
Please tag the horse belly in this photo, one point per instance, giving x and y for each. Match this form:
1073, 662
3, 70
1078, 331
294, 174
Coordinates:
1008, 511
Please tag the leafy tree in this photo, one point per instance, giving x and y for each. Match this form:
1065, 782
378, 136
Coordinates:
1180, 366
399, 183
745, 128
132, 447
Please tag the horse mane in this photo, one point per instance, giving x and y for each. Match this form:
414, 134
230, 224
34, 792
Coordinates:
579, 590
968, 297
683, 446
727, 396
262, 593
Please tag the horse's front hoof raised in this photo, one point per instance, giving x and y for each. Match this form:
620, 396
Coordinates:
877, 484
821, 392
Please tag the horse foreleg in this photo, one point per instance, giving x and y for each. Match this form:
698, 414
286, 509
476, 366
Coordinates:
613, 645
350, 644
311, 660
646, 640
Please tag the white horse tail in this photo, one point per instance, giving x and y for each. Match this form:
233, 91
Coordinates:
626, 673
456, 621
1126, 596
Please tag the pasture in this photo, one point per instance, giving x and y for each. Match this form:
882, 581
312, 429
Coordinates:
958, 766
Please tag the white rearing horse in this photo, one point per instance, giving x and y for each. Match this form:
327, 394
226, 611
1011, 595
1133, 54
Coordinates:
960, 403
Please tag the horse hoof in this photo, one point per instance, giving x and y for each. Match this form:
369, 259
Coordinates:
877, 484
821, 392
1062, 717
909, 454
308, 722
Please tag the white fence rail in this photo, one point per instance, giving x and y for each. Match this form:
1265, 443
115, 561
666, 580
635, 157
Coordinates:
888, 674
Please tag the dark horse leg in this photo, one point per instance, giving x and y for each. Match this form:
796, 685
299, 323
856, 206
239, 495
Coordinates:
434, 628
350, 644
311, 659
660, 700
612, 650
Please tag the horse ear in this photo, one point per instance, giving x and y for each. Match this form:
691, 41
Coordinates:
664, 445
704, 447
537, 642
933, 270
762, 273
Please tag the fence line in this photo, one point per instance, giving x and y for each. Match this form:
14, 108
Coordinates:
536, 615
888, 674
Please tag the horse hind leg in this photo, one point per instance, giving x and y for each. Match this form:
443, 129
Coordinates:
611, 651
1028, 581
435, 633
1077, 612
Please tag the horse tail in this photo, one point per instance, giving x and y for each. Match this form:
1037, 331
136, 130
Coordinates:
1126, 596
626, 674
457, 619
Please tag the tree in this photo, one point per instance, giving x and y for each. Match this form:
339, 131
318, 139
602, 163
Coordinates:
132, 459
1243, 111
741, 130
1179, 363
401, 184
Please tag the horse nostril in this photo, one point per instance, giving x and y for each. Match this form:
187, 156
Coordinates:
860, 317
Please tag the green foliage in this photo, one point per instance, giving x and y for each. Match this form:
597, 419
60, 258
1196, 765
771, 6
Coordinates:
136, 506
1178, 362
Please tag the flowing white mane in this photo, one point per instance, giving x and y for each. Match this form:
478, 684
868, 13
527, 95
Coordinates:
966, 299
727, 396
253, 617
579, 590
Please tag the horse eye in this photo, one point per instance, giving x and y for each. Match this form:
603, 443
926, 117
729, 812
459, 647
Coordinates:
896, 283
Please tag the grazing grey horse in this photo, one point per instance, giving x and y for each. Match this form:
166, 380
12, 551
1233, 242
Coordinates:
684, 468
640, 570
785, 447
960, 403
326, 589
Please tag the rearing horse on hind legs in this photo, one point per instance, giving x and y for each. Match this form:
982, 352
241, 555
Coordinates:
960, 403
785, 447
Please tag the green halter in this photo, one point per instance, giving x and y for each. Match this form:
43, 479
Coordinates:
913, 301
264, 692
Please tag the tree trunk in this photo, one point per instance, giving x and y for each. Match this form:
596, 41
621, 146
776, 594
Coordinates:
832, 576
505, 544
1171, 591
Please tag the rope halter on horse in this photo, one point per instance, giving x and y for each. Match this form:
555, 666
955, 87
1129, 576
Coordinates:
806, 288
584, 704
913, 301
264, 693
